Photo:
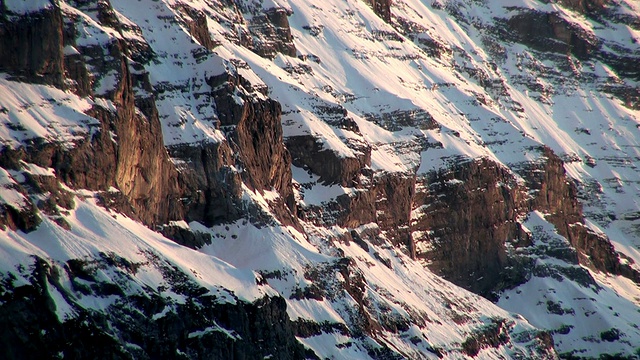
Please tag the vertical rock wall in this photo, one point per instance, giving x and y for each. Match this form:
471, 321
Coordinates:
212, 186
462, 218
31, 47
394, 200
557, 196
382, 8
254, 132
127, 151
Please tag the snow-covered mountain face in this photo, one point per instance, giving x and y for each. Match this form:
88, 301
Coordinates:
282, 179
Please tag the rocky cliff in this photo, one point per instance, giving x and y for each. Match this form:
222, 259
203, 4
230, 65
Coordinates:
125, 150
239, 180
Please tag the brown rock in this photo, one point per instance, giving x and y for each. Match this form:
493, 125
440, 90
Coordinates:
308, 153
127, 151
76, 70
465, 215
272, 30
25, 219
197, 25
31, 46
557, 196
550, 32
255, 132
347, 210
394, 199
212, 187
382, 8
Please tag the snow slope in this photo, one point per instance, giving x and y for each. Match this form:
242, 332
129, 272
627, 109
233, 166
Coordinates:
353, 65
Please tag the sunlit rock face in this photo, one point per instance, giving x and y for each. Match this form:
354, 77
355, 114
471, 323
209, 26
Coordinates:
279, 179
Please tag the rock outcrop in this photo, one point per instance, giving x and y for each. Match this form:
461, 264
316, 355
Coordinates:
556, 196
589, 7
197, 23
202, 328
550, 32
347, 210
333, 168
269, 32
31, 47
254, 132
382, 8
395, 193
463, 217
127, 150
221, 182
212, 186
555, 33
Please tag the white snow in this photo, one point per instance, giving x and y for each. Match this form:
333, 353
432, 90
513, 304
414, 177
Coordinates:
29, 112
9, 194
95, 231
365, 77
22, 7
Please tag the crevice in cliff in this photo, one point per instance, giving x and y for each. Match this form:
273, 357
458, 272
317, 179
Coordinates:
127, 150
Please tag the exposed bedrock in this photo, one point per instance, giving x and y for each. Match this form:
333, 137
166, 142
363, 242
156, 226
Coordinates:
137, 165
202, 328
19, 218
271, 33
211, 184
554, 33
381, 198
347, 210
31, 47
254, 132
551, 32
556, 195
382, 8
589, 7
463, 216
394, 199
198, 28
126, 151
308, 152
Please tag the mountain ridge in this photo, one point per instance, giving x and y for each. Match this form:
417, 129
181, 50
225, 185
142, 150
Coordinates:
263, 138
